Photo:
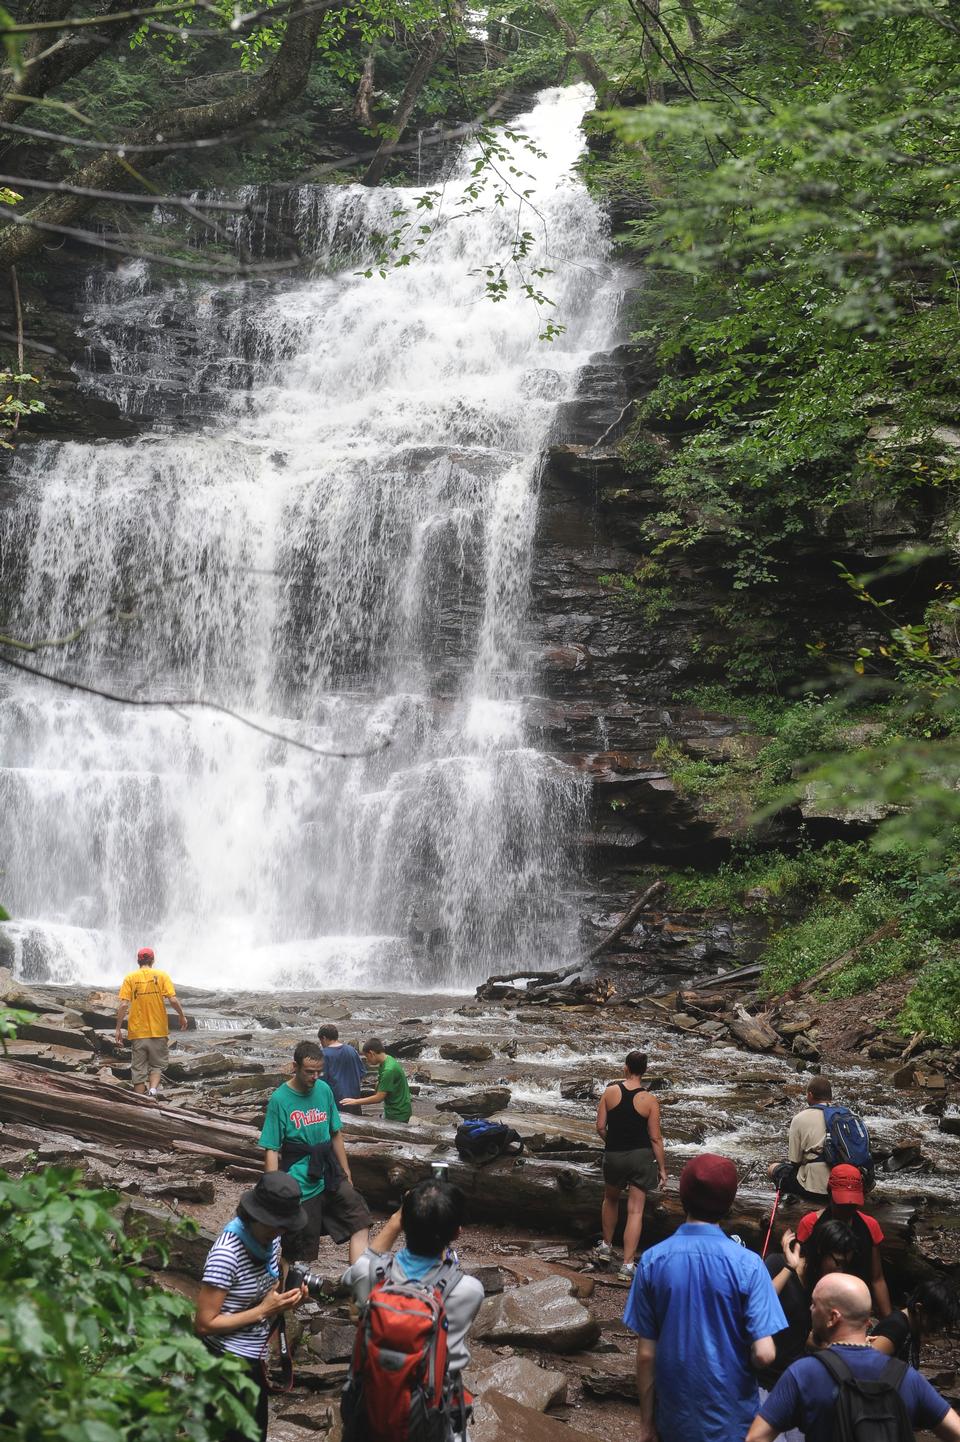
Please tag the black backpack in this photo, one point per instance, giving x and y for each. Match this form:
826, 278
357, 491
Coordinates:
478, 1140
868, 1409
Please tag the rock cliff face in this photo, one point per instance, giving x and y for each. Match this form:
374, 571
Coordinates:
617, 661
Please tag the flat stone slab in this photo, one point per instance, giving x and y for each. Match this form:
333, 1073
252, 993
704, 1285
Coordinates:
522, 1380
498, 1418
542, 1314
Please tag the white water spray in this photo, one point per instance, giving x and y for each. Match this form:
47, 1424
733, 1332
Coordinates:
343, 552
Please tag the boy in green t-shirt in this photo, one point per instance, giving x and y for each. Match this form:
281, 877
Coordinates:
392, 1087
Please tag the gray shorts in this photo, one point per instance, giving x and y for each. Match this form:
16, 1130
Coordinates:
147, 1054
631, 1169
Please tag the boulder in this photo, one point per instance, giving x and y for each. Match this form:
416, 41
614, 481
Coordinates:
950, 1121
522, 1380
616, 1378
580, 1089
409, 1046
199, 1190
805, 1048
500, 1419
211, 1063
478, 1104
543, 1314
332, 1341
475, 1051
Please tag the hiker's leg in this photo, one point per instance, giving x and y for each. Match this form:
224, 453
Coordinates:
631, 1232
358, 1244
610, 1211
346, 1218
139, 1063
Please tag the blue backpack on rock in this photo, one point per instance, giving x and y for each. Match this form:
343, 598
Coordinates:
478, 1140
847, 1141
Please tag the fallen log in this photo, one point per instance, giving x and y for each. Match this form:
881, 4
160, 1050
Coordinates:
627, 922
754, 1031
889, 928
532, 1192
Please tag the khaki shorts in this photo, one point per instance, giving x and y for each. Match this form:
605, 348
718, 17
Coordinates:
631, 1169
149, 1053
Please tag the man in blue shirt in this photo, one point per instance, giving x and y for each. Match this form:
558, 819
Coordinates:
806, 1394
704, 1311
343, 1068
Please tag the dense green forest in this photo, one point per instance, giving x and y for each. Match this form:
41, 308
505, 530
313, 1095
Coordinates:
787, 177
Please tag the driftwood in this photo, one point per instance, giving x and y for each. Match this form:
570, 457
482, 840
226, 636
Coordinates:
534, 978
627, 922
754, 1031
889, 928
727, 978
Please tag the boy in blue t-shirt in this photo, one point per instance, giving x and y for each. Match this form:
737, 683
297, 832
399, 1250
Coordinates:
344, 1069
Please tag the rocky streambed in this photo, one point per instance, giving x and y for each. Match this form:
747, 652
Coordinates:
550, 1353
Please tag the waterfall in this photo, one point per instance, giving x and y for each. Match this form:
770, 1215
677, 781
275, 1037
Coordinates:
328, 529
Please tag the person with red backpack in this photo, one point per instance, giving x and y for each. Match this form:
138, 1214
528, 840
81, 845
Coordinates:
847, 1391
416, 1309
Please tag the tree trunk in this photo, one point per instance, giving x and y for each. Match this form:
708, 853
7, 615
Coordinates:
361, 104
694, 23
592, 70
427, 59
71, 54
280, 83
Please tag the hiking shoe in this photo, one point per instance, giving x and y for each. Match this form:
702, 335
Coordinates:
626, 1272
603, 1251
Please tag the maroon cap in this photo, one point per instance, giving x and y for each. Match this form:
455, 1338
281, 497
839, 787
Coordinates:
846, 1184
145, 953
708, 1185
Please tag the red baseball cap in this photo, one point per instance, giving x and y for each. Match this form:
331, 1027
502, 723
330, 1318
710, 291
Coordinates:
145, 953
708, 1185
846, 1184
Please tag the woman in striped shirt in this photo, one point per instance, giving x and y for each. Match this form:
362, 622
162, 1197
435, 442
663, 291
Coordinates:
239, 1296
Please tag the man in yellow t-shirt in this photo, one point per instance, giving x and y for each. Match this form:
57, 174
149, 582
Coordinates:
144, 994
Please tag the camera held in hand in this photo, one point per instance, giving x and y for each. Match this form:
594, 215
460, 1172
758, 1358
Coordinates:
298, 1276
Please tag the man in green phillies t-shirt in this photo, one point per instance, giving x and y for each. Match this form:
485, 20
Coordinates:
392, 1087
303, 1114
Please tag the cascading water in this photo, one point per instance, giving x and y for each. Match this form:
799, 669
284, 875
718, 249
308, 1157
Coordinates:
341, 553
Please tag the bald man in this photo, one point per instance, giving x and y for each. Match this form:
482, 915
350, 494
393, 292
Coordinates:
807, 1395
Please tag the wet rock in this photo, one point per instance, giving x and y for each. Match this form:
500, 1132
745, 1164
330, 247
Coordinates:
34, 1053
489, 1277
523, 1381
478, 1104
541, 1314
332, 1341
408, 1046
466, 1051
905, 1076
439, 1075
930, 1081
804, 1047
616, 1378
950, 1121
211, 1063
580, 1089
53, 1035
500, 1419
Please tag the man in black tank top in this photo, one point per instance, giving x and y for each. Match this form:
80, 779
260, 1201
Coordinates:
628, 1119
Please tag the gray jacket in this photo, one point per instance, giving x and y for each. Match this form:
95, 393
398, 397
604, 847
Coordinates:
462, 1301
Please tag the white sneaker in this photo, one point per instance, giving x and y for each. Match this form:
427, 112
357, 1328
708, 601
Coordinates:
626, 1271
603, 1251
152, 1092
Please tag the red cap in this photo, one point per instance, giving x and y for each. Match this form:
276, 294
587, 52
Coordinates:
708, 1185
145, 953
846, 1184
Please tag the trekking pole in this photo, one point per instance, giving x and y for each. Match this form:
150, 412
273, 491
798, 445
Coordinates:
773, 1213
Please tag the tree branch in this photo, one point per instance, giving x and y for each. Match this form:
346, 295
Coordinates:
280, 83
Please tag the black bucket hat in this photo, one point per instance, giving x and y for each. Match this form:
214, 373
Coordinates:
275, 1201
